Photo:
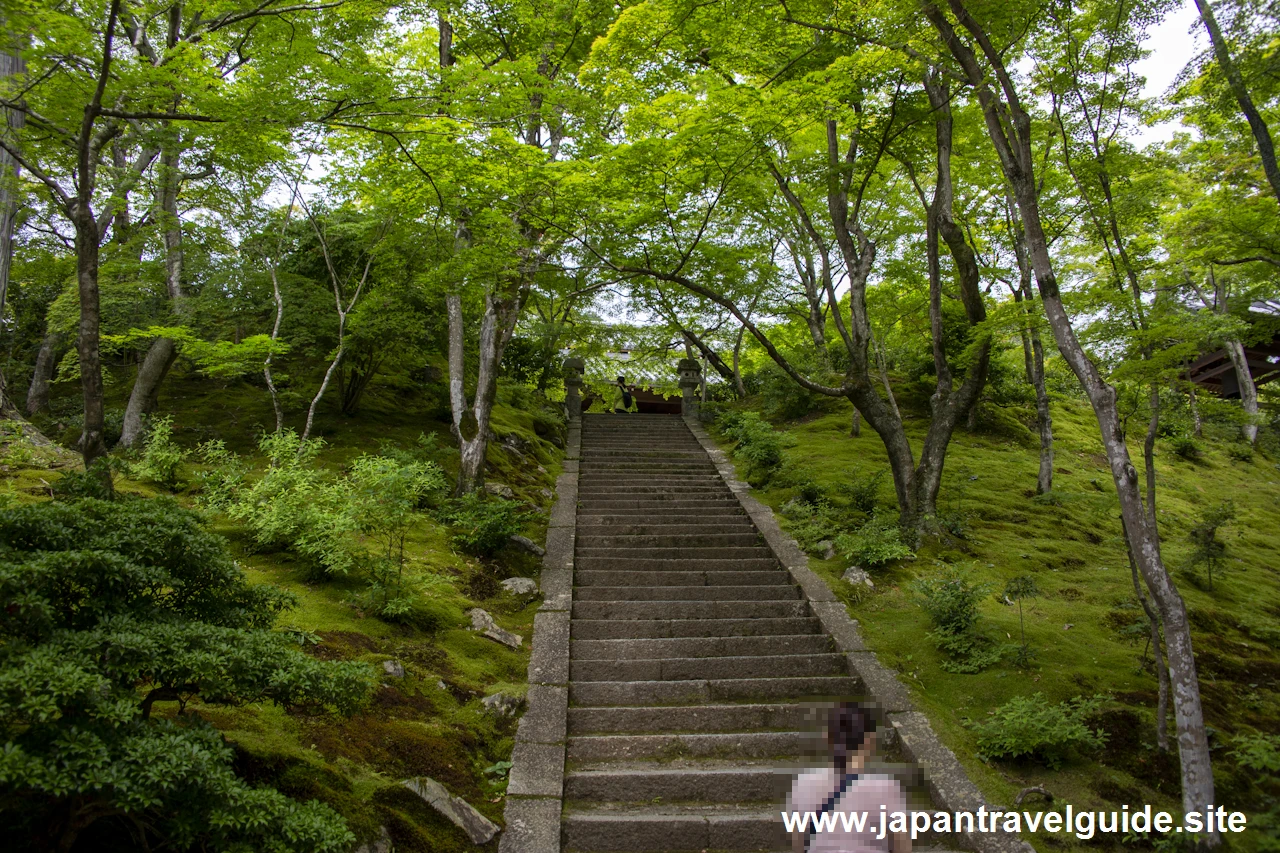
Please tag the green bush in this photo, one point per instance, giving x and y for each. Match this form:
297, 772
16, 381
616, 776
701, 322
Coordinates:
759, 445
951, 603
299, 505
1186, 447
812, 523
115, 610
223, 477
161, 457
480, 524
876, 542
1240, 452
862, 490
1033, 727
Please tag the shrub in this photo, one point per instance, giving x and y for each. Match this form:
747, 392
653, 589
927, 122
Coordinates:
114, 609
862, 490
812, 523
1186, 447
877, 541
758, 444
951, 603
161, 457
298, 505
1033, 727
1207, 548
481, 524
1240, 452
222, 479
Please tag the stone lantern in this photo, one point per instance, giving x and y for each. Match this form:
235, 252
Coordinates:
573, 371
690, 382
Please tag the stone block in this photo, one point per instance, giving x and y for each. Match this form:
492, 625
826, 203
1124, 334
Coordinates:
546, 719
835, 621
477, 827
549, 663
815, 588
533, 826
557, 589
885, 688
559, 546
537, 770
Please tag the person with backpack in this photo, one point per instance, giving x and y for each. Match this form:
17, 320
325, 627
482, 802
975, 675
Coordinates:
845, 786
623, 399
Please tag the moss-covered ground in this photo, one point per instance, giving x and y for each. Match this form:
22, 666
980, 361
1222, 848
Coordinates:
1085, 628
429, 723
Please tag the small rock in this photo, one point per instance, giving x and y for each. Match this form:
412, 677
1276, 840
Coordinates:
480, 829
547, 493
381, 845
541, 470
529, 545
521, 586
857, 575
502, 704
393, 668
827, 547
481, 621
1067, 627
441, 685
502, 490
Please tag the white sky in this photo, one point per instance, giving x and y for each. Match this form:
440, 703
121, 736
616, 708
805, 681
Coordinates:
1172, 43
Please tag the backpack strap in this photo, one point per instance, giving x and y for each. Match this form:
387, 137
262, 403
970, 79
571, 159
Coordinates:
849, 779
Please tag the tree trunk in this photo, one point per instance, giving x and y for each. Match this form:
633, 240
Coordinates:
1248, 390
1009, 128
1261, 135
11, 65
92, 442
738, 384
46, 363
471, 421
160, 357
146, 388
1157, 652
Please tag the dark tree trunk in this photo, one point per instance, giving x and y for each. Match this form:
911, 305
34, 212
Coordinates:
93, 440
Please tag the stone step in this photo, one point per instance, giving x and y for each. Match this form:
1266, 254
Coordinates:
694, 828
757, 592
583, 748
701, 692
664, 832
679, 577
701, 780
690, 564
655, 629
667, 463
682, 553
661, 515
667, 610
659, 501
687, 669
649, 485
700, 647
693, 719
672, 526
624, 539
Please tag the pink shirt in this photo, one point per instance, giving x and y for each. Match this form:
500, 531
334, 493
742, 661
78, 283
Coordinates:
865, 794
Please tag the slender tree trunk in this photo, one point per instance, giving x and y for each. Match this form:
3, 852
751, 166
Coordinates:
1009, 128
1248, 390
1157, 649
46, 363
1032, 350
738, 384
1197, 428
1257, 124
275, 336
163, 351
93, 441
11, 65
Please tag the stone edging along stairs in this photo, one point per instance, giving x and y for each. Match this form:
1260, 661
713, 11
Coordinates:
681, 659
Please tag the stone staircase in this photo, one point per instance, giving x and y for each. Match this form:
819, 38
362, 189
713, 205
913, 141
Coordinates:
698, 673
